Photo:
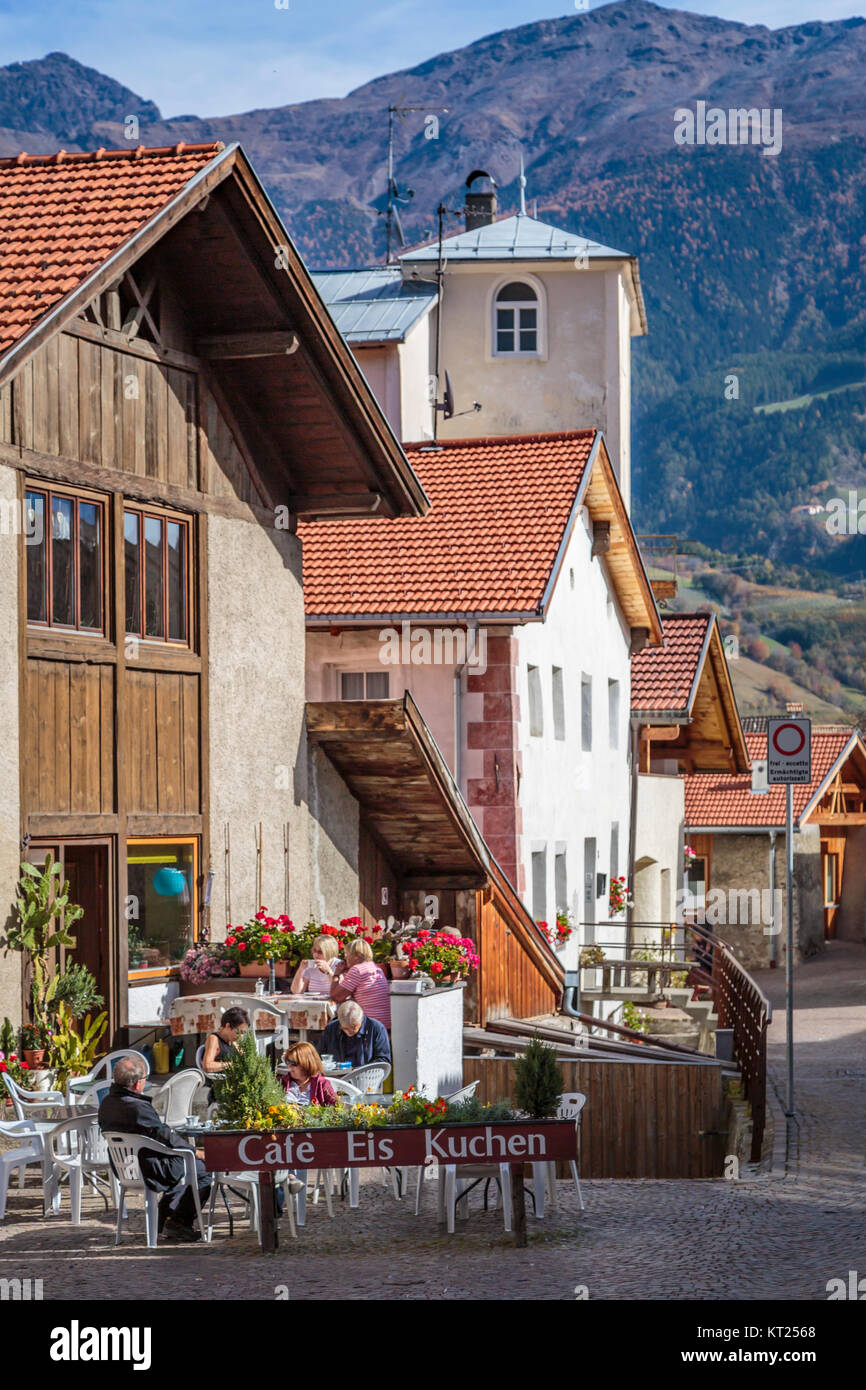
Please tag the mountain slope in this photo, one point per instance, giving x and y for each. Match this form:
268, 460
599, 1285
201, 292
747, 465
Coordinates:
752, 265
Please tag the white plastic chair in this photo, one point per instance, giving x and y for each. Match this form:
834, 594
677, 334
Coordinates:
345, 1088
246, 1185
452, 1189
84, 1155
125, 1151
173, 1101
465, 1093
26, 1107
102, 1072
369, 1078
30, 1150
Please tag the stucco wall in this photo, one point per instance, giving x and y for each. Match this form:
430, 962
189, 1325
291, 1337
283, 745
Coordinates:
10, 807
259, 765
658, 848
578, 384
741, 863
568, 795
851, 924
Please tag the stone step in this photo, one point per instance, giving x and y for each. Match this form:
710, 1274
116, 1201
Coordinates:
687, 1038
678, 997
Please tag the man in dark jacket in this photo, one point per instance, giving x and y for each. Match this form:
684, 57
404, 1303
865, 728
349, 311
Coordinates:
354, 1037
126, 1111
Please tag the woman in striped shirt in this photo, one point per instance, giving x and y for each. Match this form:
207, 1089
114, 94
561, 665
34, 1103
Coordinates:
363, 981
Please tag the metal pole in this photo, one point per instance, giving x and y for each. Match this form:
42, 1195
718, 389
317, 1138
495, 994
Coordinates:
789, 963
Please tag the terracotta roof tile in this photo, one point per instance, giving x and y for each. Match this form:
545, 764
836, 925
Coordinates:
62, 215
487, 545
724, 798
662, 677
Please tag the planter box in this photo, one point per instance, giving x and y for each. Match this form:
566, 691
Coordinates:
258, 968
514, 1141
224, 983
409, 986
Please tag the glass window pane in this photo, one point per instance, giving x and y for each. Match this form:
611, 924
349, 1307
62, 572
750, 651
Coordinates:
377, 685
90, 560
504, 318
63, 560
153, 581
161, 877
176, 534
528, 318
352, 685
36, 543
516, 290
132, 553
528, 340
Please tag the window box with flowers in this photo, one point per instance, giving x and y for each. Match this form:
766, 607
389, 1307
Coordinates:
558, 933
444, 957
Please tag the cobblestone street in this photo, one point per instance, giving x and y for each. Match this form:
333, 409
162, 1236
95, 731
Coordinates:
775, 1237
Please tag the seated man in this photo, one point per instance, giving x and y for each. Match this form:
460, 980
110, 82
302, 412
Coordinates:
353, 1037
127, 1111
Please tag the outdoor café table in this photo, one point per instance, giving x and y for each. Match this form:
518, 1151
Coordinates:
198, 1013
516, 1142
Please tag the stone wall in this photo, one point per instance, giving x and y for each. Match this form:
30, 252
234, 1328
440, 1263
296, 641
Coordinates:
741, 867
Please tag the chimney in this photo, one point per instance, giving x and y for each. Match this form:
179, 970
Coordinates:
480, 206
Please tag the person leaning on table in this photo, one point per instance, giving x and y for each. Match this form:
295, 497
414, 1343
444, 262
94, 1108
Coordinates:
353, 1037
126, 1110
219, 1046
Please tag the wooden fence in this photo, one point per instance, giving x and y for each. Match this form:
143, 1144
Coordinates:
641, 1119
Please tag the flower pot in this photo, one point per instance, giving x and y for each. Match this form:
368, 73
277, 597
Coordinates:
261, 967
34, 1057
399, 969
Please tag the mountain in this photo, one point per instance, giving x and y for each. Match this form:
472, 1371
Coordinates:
751, 263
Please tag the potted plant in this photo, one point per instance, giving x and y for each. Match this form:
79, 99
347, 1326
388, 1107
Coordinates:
262, 939
538, 1081
445, 958
74, 1051
34, 1044
619, 897
203, 963
40, 924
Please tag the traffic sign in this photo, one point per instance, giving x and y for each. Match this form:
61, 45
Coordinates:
789, 750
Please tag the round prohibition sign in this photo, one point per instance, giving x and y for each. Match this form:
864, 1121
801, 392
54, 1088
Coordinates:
789, 740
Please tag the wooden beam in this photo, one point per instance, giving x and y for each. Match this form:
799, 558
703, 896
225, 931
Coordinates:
264, 343
131, 485
133, 347
310, 504
444, 881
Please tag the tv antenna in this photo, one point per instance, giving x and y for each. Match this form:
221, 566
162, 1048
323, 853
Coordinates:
395, 196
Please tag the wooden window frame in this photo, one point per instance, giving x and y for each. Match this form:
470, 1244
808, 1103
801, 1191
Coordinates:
169, 972
164, 515
50, 490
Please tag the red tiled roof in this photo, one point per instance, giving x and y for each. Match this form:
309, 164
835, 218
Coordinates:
62, 215
724, 798
487, 545
662, 677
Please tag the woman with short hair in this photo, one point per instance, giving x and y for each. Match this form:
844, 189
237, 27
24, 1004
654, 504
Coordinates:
305, 1082
364, 981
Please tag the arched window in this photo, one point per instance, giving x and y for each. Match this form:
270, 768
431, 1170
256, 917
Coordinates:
516, 325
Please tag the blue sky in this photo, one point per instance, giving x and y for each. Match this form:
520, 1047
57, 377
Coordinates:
216, 57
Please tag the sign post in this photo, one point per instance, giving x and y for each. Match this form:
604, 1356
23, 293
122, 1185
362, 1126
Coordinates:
789, 762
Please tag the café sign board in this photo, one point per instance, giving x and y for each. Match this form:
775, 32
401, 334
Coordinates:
520, 1141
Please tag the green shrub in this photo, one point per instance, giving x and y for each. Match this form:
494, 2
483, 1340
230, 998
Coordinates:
538, 1080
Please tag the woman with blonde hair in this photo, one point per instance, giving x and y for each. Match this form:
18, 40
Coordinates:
306, 1083
315, 976
363, 981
